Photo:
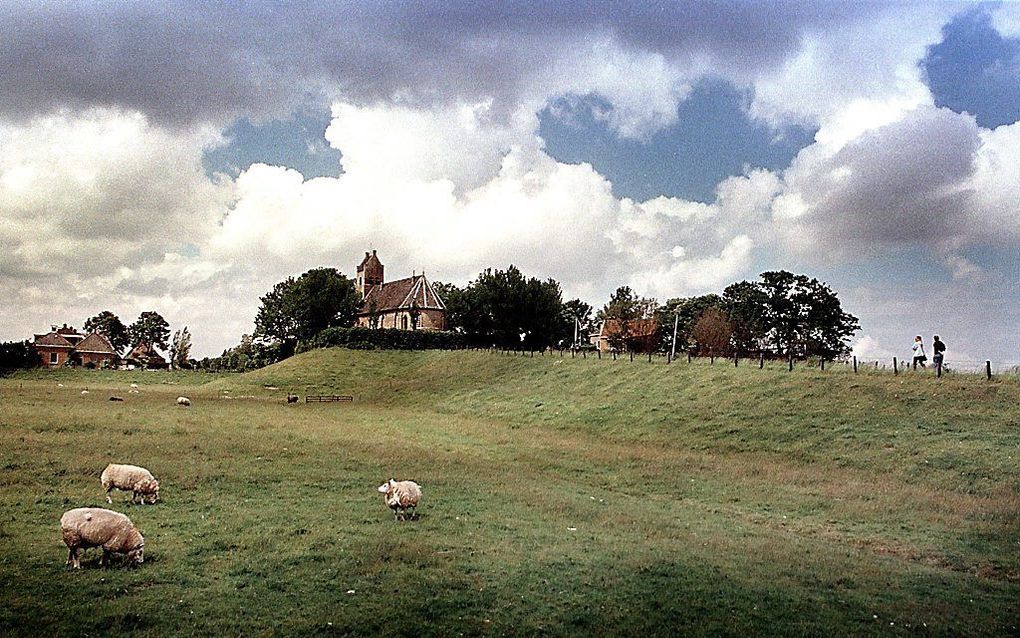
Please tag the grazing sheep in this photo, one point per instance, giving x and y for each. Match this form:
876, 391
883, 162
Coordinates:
86, 527
84, 392
184, 402
292, 398
138, 480
401, 496
134, 385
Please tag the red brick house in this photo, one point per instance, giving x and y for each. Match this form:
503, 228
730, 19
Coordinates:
405, 304
64, 344
57, 346
95, 350
639, 335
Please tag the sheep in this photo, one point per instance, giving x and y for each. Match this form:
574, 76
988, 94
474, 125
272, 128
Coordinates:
401, 496
86, 527
138, 480
184, 402
292, 398
134, 385
116, 398
84, 392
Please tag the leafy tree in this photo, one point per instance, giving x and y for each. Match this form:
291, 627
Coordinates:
712, 332
576, 313
500, 306
17, 354
109, 325
789, 314
297, 309
180, 349
683, 312
150, 328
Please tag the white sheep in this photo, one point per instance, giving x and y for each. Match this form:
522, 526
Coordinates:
137, 480
184, 402
86, 527
134, 385
401, 496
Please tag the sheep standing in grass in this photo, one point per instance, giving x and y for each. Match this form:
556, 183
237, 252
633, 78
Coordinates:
86, 527
401, 496
184, 402
138, 480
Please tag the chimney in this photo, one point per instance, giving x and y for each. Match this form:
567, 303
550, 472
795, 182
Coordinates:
366, 254
373, 252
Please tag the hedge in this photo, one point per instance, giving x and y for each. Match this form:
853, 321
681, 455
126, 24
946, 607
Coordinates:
384, 339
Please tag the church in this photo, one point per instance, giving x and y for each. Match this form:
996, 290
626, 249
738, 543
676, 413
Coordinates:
406, 304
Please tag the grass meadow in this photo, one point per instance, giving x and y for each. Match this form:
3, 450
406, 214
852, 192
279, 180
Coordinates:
563, 497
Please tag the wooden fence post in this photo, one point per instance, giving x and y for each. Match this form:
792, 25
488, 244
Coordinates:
614, 355
761, 360
632, 356
791, 362
598, 353
649, 357
823, 364
855, 364
734, 360
688, 356
895, 368
711, 358
988, 369
584, 355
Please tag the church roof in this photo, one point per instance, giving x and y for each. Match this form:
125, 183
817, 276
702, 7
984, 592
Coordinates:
402, 294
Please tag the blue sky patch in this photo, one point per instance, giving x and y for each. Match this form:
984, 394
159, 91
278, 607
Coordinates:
975, 69
297, 143
712, 140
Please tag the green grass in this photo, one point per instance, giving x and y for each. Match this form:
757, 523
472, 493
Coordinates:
562, 497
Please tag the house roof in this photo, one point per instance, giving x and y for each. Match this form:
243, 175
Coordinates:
402, 294
97, 344
635, 327
52, 339
144, 351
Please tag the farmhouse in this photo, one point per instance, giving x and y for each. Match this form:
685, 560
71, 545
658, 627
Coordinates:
638, 335
405, 304
144, 355
65, 344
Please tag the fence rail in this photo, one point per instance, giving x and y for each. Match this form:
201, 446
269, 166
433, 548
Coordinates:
895, 366
328, 398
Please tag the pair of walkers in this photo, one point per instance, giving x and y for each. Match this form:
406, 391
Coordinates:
938, 352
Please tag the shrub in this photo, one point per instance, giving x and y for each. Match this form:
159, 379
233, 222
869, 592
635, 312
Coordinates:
359, 338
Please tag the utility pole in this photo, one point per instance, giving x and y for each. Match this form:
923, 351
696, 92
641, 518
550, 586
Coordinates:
676, 320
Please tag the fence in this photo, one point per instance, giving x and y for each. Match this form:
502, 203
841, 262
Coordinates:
895, 366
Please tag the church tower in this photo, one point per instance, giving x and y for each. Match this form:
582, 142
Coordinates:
370, 273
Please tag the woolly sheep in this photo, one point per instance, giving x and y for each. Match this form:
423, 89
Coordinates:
401, 496
138, 480
184, 402
86, 527
292, 398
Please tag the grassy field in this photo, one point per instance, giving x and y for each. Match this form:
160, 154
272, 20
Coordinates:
562, 497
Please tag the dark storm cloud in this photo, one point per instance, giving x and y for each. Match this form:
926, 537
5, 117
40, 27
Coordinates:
187, 62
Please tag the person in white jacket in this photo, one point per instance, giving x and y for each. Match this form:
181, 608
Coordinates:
919, 356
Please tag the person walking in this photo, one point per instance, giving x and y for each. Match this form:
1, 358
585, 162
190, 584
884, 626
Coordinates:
938, 353
918, 348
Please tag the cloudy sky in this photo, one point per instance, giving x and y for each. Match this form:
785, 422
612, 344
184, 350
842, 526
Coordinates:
184, 157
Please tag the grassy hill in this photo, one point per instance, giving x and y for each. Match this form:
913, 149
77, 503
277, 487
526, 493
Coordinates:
562, 497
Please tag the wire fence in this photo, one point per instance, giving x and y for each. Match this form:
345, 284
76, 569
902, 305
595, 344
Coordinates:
894, 366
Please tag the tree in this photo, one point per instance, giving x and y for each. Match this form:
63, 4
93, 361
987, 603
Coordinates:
17, 354
109, 325
712, 332
150, 328
683, 312
180, 349
576, 314
501, 305
790, 314
297, 309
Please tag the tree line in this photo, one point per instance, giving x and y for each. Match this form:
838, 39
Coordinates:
778, 315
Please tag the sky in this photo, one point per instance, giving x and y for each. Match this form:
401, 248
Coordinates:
184, 157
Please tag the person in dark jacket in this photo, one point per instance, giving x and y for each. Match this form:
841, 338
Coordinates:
938, 352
